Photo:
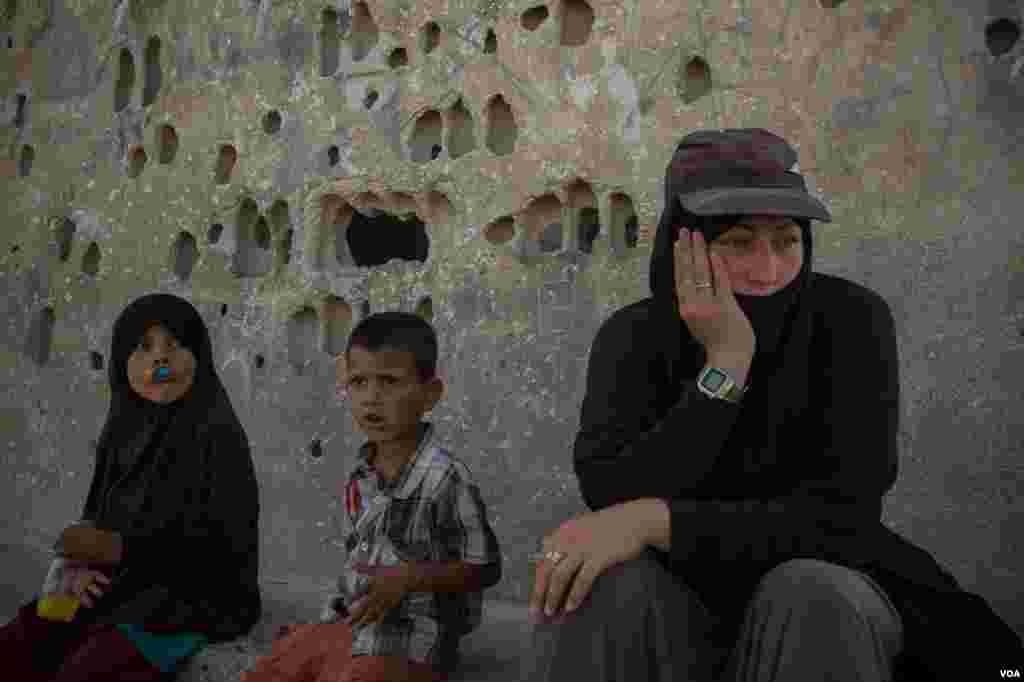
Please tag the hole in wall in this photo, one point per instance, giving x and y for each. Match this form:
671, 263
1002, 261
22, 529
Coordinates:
490, 42
425, 308
10, 43
430, 37
623, 219
223, 309
153, 74
95, 361
364, 32
831, 4
501, 230
375, 241
214, 233
259, 361
426, 135
21, 111
226, 159
543, 220
335, 215
364, 309
40, 336
184, 255
398, 58
577, 20
63, 234
15, 249
125, 83
272, 122
550, 239
316, 450
302, 331
280, 221
1001, 35
25, 161
337, 324
695, 80
461, 139
370, 99
588, 225
333, 156
532, 18
91, 260
330, 43
167, 143
502, 130
136, 161
261, 233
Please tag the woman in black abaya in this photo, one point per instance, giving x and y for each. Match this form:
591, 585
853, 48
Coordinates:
167, 549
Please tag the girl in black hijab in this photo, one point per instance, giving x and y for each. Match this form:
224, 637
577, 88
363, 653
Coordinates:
736, 533
168, 542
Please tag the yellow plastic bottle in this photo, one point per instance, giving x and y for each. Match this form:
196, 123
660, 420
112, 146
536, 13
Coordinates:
56, 601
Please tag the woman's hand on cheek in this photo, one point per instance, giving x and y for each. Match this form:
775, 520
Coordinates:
591, 544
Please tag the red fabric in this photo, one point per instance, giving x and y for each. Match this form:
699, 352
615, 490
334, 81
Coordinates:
323, 653
34, 649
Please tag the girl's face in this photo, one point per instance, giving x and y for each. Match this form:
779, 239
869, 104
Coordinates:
156, 348
763, 254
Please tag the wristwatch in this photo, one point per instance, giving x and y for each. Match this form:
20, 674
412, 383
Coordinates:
716, 383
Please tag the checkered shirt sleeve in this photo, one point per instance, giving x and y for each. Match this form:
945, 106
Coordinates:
464, 532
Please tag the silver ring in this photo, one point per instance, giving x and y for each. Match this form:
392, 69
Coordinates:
554, 556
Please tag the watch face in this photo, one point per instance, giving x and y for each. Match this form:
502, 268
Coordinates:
713, 380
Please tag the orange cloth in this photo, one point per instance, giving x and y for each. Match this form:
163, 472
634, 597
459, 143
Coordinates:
322, 652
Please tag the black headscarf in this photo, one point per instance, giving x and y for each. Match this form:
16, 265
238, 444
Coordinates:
177, 481
777, 385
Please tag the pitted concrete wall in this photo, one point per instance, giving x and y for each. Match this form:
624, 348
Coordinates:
247, 154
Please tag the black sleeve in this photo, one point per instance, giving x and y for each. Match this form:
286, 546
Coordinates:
855, 452
623, 451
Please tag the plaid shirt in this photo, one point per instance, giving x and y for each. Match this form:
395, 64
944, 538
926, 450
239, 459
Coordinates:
432, 512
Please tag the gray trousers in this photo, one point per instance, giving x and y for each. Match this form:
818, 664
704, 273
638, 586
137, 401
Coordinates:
807, 620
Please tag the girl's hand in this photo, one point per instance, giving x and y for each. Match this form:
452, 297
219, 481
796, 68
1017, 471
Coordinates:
591, 543
711, 313
84, 583
387, 586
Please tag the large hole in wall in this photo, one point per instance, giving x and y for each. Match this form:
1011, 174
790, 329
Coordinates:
501, 230
532, 18
214, 233
460, 130
430, 37
184, 255
153, 74
623, 220
694, 80
91, 260
490, 42
137, 159
583, 205
398, 58
543, 220
261, 233
281, 228
303, 330
577, 21
95, 361
125, 84
25, 161
251, 257
337, 324
330, 43
63, 236
364, 32
335, 215
40, 336
371, 98
376, 240
502, 130
21, 110
1001, 35
425, 144
226, 159
166, 143
272, 122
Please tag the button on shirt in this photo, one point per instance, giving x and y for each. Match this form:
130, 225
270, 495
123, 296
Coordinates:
432, 512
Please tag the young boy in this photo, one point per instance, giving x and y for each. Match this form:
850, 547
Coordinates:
420, 550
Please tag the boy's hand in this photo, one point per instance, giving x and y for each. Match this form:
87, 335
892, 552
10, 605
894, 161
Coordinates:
387, 586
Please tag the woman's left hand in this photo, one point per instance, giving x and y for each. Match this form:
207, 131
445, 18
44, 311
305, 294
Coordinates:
592, 543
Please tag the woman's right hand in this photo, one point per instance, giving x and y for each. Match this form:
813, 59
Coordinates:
711, 313
84, 583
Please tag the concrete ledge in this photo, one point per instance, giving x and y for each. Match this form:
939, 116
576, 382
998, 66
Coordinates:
491, 653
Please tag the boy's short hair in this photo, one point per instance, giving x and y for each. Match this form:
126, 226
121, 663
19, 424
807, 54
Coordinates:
399, 331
